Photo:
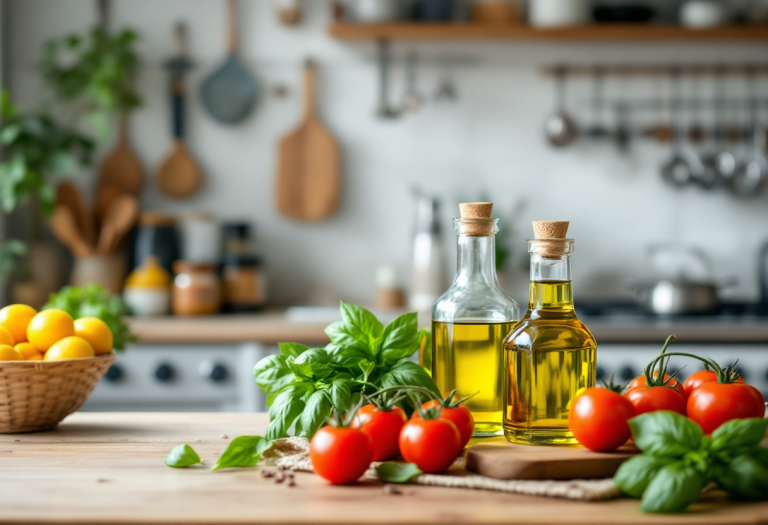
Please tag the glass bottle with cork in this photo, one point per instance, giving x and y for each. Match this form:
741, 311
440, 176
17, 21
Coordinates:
550, 355
470, 321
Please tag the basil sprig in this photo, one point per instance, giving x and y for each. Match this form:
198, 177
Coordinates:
391, 472
304, 385
182, 456
678, 460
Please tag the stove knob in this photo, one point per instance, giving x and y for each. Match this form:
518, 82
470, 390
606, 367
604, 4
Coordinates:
114, 374
164, 373
600, 373
215, 372
627, 373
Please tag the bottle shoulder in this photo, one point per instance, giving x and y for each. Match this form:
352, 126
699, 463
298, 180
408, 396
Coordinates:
550, 334
475, 303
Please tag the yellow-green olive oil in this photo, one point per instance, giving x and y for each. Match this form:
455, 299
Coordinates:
468, 357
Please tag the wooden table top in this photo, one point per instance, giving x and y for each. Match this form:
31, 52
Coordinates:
108, 468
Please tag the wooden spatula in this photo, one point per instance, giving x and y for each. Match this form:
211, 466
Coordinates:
309, 164
120, 217
68, 195
121, 168
64, 227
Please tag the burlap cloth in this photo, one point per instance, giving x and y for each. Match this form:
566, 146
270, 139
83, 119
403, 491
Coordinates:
293, 454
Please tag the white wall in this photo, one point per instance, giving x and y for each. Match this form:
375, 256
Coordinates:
489, 142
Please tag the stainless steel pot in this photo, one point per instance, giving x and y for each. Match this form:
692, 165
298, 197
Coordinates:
677, 297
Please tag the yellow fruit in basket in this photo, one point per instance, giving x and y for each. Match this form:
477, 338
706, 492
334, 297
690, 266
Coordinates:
96, 332
38, 357
49, 326
16, 318
9, 353
6, 338
28, 351
71, 347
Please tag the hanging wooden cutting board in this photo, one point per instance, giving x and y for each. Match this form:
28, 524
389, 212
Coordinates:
502, 460
309, 164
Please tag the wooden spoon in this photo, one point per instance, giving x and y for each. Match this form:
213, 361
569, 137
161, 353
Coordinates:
105, 196
68, 195
120, 217
121, 168
64, 227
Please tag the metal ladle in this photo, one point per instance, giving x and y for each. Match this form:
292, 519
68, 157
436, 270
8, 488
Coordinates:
411, 100
559, 128
719, 164
677, 170
750, 176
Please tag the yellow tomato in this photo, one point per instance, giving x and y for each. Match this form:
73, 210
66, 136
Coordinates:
71, 347
96, 332
49, 326
9, 353
6, 338
16, 318
28, 351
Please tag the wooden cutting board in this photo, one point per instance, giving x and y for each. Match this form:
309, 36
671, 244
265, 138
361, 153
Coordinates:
309, 164
502, 460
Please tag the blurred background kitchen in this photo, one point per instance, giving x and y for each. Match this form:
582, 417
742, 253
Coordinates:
641, 122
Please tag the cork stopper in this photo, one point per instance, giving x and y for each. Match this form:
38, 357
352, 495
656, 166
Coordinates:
551, 239
550, 229
476, 219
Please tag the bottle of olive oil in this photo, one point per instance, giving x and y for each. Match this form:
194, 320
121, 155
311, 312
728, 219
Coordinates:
471, 320
550, 355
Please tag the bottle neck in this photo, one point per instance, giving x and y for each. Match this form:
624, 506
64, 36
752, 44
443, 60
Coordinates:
476, 260
551, 283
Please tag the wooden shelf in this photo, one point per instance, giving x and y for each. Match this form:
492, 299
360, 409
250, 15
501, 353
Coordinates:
593, 33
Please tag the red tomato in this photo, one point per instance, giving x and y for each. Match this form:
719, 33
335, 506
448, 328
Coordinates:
459, 416
383, 427
433, 444
598, 419
640, 381
653, 398
340, 455
712, 404
697, 379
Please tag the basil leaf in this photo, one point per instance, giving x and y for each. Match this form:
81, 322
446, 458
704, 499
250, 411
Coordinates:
348, 356
286, 407
341, 393
294, 349
358, 328
182, 456
665, 433
272, 374
390, 472
349, 340
316, 410
243, 451
672, 489
313, 364
400, 338
761, 454
739, 433
744, 477
636, 473
408, 373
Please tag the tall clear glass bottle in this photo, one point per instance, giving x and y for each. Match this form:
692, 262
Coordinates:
470, 321
550, 355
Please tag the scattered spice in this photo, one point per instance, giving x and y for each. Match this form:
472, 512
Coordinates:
224, 436
392, 490
291, 482
279, 477
267, 473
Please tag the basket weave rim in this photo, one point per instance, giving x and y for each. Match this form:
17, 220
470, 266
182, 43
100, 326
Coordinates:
110, 355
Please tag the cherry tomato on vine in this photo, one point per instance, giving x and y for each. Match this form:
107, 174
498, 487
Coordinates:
455, 412
641, 381
383, 427
340, 454
653, 398
433, 444
697, 379
598, 419
712, 404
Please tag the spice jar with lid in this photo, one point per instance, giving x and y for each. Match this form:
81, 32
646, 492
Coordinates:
243, 283
148, 289
196, 289
157, 235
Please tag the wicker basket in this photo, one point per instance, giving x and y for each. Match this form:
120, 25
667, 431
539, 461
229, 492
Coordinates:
37, 395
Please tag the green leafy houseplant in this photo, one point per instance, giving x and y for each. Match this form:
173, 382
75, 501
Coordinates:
94, 301
303, 385
94, 73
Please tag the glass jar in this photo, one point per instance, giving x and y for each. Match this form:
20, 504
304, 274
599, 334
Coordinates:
469, 323
196, 289
243, 283
550, 355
